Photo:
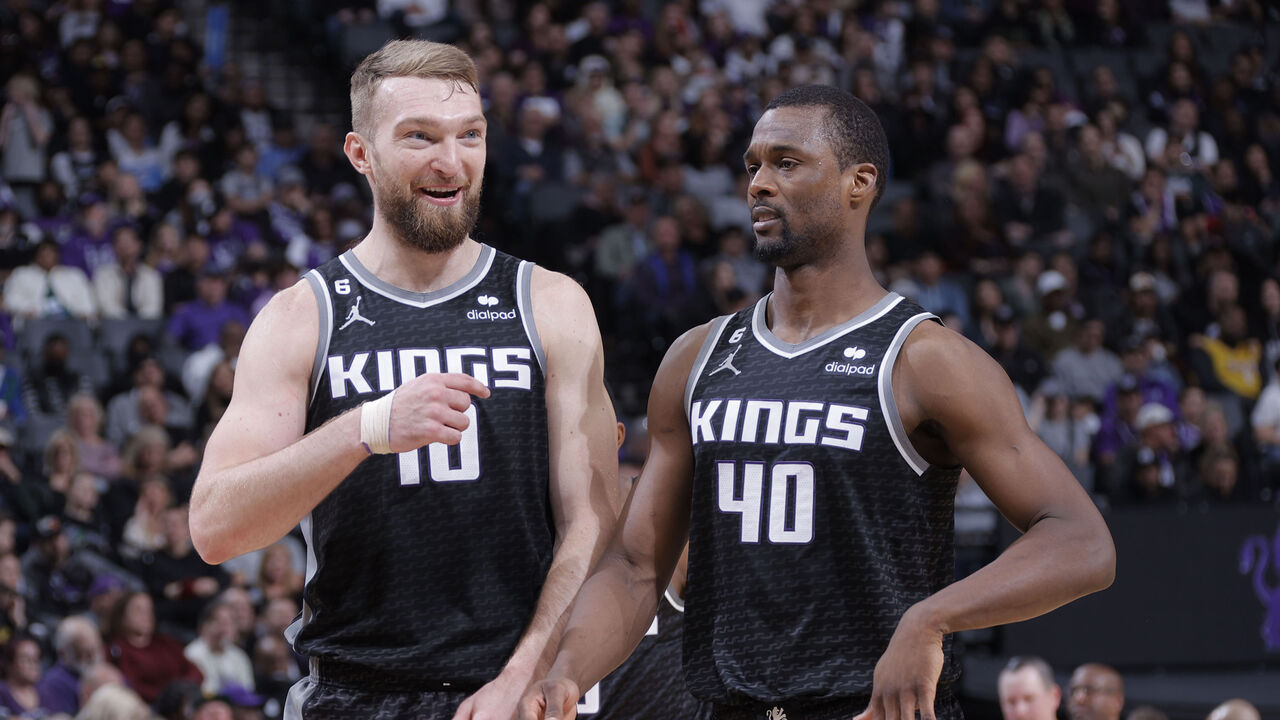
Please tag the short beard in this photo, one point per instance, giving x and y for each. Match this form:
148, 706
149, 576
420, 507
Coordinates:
429, 229
778, 250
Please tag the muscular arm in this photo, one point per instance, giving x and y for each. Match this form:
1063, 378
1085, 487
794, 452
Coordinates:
582, 435
616, 605
951, 391
261, 475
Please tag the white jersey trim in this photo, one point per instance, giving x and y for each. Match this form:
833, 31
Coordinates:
321, 290
704, 355
418, 299
765, 336
889, 406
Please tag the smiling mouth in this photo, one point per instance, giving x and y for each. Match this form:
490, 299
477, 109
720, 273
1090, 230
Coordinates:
441, 193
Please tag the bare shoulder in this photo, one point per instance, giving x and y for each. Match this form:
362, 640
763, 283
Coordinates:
564, 317
285, 332
667, 395
943, 377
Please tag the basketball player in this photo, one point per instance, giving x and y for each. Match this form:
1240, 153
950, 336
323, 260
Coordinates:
433, 413
809, 448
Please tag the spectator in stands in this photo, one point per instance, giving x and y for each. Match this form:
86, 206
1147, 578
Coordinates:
136, 152
1096, 692
1227, 366
1069, 435
83, 519
1223, 465
57, 576
25, 130
150, 399
98, 455
1182, 145
46, 288
1023, 365
1087, 368
1055, 324
667, 293
128, 287
246, 192
149, 660
1097, 186
1028, 211
215, 652
144, 530
198, 323
199, 366
324, 166
180, 581
277, 576
1027, 690
622, 245
193, 132
61, 464
79, 647
74, 167
19, 692
89, 244
1154, 469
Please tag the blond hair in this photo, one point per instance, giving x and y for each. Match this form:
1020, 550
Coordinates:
406, 58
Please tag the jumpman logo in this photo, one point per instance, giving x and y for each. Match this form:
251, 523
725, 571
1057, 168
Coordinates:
354, 314
727, 364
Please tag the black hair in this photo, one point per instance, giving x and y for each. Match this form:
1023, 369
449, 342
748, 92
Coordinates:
853, 129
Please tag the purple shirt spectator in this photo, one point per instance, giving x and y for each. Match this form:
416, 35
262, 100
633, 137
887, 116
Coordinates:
59, 689
199, 322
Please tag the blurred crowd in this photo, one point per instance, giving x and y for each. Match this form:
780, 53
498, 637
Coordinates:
1085, 188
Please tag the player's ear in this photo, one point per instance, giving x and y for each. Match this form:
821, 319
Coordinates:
358, 152
862, 183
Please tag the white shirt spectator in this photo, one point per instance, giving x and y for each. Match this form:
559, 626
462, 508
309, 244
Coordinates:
31, 291
110, 282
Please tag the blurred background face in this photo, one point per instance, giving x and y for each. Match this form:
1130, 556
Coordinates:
1025, 696
1095, 693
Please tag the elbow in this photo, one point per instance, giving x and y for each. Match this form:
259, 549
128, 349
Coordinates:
211, 545
1099, 560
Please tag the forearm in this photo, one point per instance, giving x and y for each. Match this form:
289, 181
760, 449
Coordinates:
572, 563
248, 506
611, 615
1055, 562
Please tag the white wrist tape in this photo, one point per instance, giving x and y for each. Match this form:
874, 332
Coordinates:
375, 424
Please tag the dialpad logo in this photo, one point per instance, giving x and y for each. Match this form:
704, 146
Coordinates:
489, 301
836, 367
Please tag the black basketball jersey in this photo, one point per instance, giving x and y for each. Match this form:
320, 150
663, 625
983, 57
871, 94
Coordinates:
649, 684
428, 564
815, 523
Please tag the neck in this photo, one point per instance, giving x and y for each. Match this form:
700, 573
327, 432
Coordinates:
411, 269
811, 299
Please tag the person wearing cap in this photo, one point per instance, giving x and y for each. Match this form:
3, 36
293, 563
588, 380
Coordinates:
1053, 326
1154, 468
1025, 367
1146, 315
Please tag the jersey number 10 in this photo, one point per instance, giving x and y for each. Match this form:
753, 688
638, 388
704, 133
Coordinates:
787, 480
440, 465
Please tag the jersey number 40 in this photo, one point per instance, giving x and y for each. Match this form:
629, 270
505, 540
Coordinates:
790, 499
440, 460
